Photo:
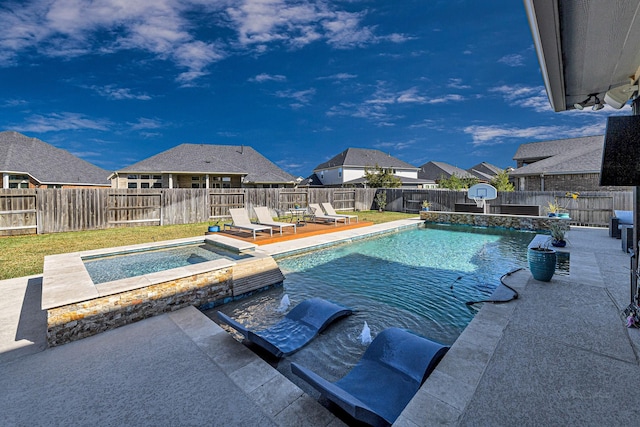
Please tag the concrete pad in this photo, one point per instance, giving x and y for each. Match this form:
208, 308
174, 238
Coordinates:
536, 381
23, 324
135, 375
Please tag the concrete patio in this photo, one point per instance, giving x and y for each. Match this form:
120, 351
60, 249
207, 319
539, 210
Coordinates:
558, 355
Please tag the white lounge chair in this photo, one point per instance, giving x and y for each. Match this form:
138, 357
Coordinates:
318, 214
328, 208
241, 220
264, 218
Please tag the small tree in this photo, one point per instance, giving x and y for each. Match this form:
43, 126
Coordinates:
501, 182
378, 177
454, 182
381, 200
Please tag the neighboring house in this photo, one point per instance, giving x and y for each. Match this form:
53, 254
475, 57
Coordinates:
204, 166
31, 163
437, 170
484, 171
348, 169
561, 165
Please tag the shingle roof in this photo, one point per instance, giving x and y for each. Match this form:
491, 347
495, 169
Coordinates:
435, 170
210, 159
585, 159
534, 151
46, 163
485, 170
361, 157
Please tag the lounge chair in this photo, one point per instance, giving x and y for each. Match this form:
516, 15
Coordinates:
328, 208
264, 218
241, 220
319, 215
383, 382
299, 326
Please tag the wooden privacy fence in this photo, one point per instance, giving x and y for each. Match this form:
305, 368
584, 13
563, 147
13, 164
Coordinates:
27, 211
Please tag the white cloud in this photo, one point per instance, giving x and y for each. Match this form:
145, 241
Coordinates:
113, 92
514, 60
445, 98
455, 83
260, 78
145, 123
70, 28
339, 76
59, 122
524, 96
496, 134
301, 97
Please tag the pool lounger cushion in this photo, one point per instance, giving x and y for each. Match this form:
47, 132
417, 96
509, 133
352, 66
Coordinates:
383, 382
296, 329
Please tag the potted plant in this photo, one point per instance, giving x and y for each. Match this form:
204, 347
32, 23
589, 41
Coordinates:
558, 235
214, 228
553, 208
542, 262
426, 205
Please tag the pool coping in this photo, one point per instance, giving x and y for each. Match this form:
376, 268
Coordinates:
67, 281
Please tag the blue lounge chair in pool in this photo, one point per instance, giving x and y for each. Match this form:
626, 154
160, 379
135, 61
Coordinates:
299, 326
383, 382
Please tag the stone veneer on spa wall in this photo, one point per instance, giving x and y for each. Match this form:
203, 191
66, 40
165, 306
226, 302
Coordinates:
515, 222
77, 308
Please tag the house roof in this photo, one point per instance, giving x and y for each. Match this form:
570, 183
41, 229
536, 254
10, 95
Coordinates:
403, 180
435, 170
361, 157
213, 159
486, 169
47, 164
576, 155
535, 151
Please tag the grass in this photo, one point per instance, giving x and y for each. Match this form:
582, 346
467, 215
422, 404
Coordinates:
24, 255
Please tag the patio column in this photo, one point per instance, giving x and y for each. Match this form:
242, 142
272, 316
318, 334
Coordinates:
635, 105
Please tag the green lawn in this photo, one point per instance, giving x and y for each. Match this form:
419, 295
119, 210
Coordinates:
24, 255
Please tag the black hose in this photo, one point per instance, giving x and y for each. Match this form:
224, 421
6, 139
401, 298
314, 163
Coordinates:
515, 293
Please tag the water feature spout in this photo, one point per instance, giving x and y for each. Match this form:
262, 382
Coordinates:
365, 335
284, 304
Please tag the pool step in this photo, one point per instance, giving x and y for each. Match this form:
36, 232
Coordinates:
251, 275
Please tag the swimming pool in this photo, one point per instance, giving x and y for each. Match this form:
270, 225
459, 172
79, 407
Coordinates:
116, 266
419, 279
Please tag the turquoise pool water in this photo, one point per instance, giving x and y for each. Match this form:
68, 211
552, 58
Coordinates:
417, 279
107, 268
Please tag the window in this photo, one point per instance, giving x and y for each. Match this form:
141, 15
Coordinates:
157, 177
157, 185
339, 172
18, 181
144, 185
145, 176
132, 185
132, 176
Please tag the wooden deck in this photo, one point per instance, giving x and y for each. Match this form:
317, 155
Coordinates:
303, 230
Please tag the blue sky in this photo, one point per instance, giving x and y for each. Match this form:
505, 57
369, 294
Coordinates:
117, 81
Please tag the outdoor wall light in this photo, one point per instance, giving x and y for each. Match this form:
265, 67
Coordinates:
598, 105
580, 105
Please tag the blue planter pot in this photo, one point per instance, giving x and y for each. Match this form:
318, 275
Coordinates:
563, 215
559, 243
214, 228
542, 263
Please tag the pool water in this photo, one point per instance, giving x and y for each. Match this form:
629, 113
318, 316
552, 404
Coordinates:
418, 279
107, 268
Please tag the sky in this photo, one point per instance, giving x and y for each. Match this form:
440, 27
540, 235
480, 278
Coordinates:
117, 81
